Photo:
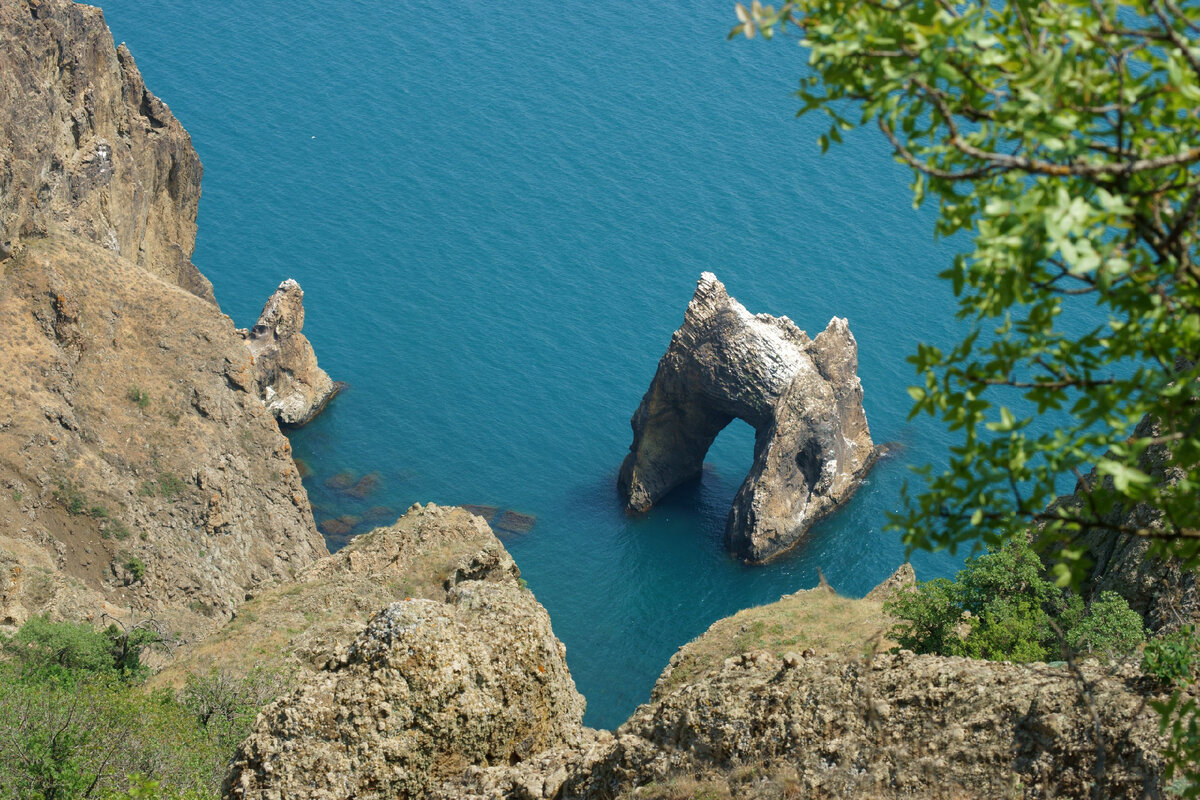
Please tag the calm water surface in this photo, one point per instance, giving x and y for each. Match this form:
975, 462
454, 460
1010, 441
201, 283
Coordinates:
498, 213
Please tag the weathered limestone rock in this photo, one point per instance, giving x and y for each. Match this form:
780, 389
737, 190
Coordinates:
802, 396
429, 689
328, 603
128, 426
889, 727
289, 381
740, 712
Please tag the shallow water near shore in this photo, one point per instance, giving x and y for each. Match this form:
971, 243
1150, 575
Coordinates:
498, 215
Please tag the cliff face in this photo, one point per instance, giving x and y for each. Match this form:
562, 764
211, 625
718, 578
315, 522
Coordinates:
792, 699
85, 148
138, 467
802, 397
299, 625
1166, 596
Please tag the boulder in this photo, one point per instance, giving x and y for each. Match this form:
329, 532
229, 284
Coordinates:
802, 396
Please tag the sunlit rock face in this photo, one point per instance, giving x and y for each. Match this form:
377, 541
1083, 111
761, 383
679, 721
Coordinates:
291, 384
802, 396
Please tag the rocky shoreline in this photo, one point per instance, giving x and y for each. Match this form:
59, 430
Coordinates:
144, 472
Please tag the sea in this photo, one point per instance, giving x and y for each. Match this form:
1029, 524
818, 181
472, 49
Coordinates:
498, 213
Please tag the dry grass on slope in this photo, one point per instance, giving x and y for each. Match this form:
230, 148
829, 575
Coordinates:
815, 619
299, 624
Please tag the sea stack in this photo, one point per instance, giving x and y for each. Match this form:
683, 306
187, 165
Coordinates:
289, 381
802, 396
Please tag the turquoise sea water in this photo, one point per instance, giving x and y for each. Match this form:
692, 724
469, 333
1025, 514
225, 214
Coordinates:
498, 213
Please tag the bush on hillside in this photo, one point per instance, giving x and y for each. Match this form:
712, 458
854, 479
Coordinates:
1001, 607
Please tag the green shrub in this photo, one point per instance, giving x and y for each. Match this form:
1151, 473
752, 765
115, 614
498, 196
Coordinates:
1173, 659
74, 725
136, 567
71, 497
1110, 628
117, 530
138, 397
170, 485
1001, 607
67, 650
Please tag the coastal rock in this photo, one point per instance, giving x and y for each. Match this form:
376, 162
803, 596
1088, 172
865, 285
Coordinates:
287, 377
85, 148
127, 426
429, 689
802, 396
797, 698
327, 604
890, 726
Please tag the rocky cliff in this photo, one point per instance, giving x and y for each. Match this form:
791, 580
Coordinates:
289, 381
86, 149
431, 687
300, 624
1165, 595
802, 396
138, 467
466, 697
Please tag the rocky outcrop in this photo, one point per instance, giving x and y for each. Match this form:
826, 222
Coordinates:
287, 377
86, 148
138, 468
891, 726
802, 396
299, 625
740, 714
430, 688
1166, 595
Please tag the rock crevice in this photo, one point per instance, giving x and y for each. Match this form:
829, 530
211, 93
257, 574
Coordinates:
802, 396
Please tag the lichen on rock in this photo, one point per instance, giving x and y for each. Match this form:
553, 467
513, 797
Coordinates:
802, 396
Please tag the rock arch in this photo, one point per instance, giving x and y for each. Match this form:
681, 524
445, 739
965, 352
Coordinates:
802, 396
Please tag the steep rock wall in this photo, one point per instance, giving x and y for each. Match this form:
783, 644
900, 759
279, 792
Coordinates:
139, 471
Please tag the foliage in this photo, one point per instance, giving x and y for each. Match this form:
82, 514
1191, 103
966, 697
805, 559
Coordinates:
136, 567
1173, 659
1001, 607
71, 497
1061, 138
226, 705
138, 397
1110, 627
70, 649
75, 725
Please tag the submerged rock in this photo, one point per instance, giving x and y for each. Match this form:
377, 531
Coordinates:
802, 396
286, 374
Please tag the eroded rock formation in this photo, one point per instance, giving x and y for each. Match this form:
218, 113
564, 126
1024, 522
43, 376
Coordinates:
138, 468
329, 602
791, 699
430, 688
289, 381
802, 396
